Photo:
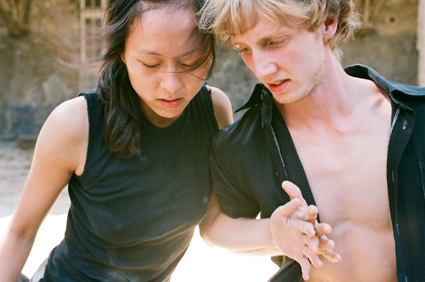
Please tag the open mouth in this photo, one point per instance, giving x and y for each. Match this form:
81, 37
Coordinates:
279, 85
279, 82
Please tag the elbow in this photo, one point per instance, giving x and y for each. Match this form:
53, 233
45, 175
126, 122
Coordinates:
25, 235
206, 235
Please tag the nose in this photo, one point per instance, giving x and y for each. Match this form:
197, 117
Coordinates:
171, 81
263, 64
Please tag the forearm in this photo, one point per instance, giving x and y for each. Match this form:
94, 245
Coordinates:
242, 235
14, 252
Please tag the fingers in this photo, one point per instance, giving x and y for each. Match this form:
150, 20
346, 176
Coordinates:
311, 214
325, 243
315, 246
289, 208
312, 251
292, 209
312, 256
307, 213
330, 255
322, 229
305, 268
325, 249
292, 190
307, 228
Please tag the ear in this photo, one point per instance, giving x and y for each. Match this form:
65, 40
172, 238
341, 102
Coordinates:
122, 57
330, 26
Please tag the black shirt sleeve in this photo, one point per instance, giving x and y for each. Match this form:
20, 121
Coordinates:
228, 182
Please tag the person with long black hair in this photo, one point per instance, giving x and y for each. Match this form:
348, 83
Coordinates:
133, 152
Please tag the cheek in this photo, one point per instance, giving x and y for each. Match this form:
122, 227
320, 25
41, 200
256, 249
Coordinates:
132, 70
248, 62
203, 69
302, 59
142, 83
139, 75
192, 83
197, 76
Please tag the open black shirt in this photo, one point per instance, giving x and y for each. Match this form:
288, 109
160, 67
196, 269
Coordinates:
251, 158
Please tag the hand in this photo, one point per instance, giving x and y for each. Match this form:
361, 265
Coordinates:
309, 214
295, 238
296, 233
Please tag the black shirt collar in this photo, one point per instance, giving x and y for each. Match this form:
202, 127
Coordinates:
359, 71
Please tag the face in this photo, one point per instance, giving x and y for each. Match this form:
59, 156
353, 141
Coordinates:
159, 51
288, 59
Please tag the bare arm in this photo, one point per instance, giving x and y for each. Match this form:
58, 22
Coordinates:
59, 153
291, 231
242, 235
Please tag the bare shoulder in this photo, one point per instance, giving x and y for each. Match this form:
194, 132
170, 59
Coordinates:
218, 96
69, 119
65, 133
222, 107
76, 108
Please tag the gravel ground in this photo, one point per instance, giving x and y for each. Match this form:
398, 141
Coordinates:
200, 264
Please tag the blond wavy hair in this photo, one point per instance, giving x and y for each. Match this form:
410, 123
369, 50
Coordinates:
229, 18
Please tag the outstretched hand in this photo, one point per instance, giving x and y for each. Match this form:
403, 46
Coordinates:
298, 235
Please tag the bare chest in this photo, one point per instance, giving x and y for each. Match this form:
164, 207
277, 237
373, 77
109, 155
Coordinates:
347, 176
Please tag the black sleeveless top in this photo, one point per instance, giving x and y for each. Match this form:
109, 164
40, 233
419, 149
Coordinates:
132, 219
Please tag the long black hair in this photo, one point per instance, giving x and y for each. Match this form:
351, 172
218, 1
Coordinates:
125, 121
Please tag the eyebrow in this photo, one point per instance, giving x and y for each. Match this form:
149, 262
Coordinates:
261, 41
264, 39
149, 52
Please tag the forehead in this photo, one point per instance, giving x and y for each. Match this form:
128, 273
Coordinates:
263, 28
167, 30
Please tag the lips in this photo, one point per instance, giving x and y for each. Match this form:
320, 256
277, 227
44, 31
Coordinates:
278, 86
171, 103
278, 83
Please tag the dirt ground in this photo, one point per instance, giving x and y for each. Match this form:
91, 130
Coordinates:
200, 264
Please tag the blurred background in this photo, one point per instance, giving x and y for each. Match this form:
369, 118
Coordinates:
50, 51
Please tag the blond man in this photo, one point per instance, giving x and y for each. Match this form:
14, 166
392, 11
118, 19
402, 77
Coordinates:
351, 140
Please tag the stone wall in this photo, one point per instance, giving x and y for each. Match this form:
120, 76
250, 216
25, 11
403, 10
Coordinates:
32, 83
35, 78
38, 70
388, 42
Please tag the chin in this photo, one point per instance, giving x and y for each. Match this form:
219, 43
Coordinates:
169, 115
